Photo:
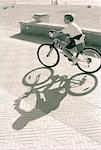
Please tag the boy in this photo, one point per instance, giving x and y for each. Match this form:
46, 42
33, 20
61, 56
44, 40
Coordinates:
74, 36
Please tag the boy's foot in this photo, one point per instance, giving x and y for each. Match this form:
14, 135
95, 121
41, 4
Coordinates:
74, 60
64, 54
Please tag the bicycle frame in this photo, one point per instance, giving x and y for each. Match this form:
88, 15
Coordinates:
62, 44
51, 48
59, 44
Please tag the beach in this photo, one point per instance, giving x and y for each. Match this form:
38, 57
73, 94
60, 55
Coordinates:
60, 2
85, 17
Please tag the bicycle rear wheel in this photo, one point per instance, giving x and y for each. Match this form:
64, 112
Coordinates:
89, 60
48, 55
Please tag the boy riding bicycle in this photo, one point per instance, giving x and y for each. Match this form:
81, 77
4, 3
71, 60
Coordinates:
74, 36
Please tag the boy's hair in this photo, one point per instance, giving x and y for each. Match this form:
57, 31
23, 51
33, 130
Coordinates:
69, 16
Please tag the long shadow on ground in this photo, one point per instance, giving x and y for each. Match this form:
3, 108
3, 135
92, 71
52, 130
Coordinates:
32, 38
50, 90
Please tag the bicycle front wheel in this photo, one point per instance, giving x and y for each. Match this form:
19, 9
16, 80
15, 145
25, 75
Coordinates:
48, 55
89, 60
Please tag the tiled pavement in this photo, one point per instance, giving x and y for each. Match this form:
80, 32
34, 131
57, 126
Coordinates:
65, 119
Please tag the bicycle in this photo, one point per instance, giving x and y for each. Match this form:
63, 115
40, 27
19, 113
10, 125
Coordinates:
89, 58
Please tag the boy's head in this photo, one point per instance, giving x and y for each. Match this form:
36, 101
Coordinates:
68, 18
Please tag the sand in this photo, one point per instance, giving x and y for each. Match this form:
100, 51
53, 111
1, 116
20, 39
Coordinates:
85, 17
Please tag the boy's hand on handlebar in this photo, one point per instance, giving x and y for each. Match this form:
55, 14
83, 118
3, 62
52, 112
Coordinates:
51, 34
67, 40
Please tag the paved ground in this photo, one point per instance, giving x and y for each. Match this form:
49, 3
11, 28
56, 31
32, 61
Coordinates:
58, 115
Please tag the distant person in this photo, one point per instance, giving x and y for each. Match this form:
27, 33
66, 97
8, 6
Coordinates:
73, 36
56, 2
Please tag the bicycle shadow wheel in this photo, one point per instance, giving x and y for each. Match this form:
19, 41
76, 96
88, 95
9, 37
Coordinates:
37, 77
82, 84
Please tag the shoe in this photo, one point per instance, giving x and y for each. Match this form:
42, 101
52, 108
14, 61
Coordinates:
74, 60
63, 53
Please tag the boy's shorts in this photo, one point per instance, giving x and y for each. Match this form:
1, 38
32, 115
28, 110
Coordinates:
72, 42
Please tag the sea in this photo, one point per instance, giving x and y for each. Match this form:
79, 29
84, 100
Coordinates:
60, 2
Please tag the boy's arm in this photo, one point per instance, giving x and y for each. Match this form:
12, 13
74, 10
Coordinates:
61, 32
58, 33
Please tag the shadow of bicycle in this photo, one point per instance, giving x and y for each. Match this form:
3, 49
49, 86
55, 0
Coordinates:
50, 90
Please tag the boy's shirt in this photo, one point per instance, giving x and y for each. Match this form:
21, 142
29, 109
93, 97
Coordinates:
72, 29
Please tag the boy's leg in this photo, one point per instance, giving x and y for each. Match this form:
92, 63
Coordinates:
68, 48
70, 56
67, 53
79, 47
